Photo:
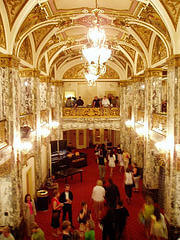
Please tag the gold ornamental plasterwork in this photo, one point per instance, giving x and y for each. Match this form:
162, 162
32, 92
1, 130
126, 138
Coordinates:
13, 8
27, 120
53, 40
140, 64
25, 52
42, 65
77, 72
37, 15
159, 51
90, 112
29, 73
44, 115
53, 51
3, 133
173, 9
150, 16
129, 72
46, 79
2, 34
57, 83
139, 78
9, 61
130, 51
144, 33
40, 34
174, 61
153, 72
5, 168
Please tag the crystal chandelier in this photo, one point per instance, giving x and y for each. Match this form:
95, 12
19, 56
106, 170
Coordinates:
97, 53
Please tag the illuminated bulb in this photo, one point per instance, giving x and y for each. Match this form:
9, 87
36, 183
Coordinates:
54, 124
26, 83
25, 146
163, 146
140, 131
129, 123
45, 132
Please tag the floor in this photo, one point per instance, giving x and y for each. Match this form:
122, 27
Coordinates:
82, 192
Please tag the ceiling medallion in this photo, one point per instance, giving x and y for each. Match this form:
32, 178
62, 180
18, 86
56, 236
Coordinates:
96, 52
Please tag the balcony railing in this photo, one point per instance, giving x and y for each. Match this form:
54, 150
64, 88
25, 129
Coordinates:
84, 112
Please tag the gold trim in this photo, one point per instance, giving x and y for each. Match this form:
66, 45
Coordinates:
174, 61
139, 78
46, 79
153, 72
29, 73
9, 61
5, 168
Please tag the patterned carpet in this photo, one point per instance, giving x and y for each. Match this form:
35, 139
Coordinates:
82, 192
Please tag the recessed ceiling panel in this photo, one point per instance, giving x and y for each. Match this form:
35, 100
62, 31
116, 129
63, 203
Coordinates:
64, 4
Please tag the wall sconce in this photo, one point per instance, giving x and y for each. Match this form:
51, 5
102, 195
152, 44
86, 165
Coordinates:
54, 124
129, 123
163, 146
140, 131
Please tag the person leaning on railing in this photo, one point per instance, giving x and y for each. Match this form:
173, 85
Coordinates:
96, 102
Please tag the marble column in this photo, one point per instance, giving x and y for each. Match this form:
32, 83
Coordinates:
172, 171
151, 171
33, 75
10, 187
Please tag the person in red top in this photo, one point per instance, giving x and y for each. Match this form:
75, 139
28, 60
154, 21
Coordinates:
56, 209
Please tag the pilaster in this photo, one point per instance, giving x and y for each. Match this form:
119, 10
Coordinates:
172, 173
10, 189
151, 171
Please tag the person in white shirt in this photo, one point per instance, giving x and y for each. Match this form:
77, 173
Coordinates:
128, 181
111, 159
105, 102
98, 195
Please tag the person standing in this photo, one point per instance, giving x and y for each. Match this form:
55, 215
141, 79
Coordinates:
112, 195
98, 195
108, 225
136, 177
105, 102
120, 159
112, 159
101, 160
66, 198
121, 215
56, 209
29, 213
126, 157
128, 184
79, 102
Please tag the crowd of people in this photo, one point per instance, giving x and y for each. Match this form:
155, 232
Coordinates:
110, 101
107, 208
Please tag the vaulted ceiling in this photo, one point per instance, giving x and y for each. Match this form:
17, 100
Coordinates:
49, 35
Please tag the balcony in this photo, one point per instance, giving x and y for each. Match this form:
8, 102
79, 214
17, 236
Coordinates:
83, 112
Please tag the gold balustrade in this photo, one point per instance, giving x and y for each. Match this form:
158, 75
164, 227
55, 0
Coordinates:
84, 112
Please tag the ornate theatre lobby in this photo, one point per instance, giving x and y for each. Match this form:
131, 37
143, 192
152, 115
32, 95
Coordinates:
74, 74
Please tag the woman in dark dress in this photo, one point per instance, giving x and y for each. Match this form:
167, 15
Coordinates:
56, 208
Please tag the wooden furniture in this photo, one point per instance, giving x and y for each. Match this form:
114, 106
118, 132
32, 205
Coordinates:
69, 173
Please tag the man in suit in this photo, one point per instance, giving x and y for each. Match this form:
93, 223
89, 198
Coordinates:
66, 197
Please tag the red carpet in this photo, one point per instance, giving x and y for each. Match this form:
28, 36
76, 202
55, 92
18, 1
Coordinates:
82, 192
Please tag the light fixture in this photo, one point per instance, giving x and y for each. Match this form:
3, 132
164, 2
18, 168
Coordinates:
129, 123
54, 124
163, 146
140, 131
96, 53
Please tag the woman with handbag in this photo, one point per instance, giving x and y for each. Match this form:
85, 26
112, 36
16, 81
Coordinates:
56, 209
29, 213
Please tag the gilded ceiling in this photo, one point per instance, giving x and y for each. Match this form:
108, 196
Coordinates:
51, 33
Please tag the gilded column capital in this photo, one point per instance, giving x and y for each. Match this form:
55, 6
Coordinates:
46, 79
58, 83
139, 78
153, 72
174, 61
125, 83
29, 72
9, 61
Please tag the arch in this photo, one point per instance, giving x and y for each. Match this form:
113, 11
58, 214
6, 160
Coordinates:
6, 26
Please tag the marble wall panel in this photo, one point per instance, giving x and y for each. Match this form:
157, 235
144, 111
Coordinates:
43, 95
4, 92
26, 95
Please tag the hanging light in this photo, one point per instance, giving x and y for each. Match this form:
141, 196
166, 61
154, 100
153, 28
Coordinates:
97, 53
